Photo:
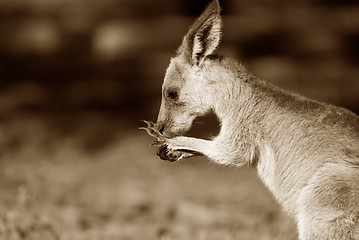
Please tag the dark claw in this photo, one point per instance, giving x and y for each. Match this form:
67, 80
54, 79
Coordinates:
174, 156
165, 154
162, 152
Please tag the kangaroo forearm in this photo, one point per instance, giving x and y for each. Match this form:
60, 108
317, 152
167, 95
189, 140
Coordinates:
216, 150
182, 143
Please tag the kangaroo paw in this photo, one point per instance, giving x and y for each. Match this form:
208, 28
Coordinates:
166, 153
169, 148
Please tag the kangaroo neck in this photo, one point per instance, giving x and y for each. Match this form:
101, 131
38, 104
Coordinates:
233, 100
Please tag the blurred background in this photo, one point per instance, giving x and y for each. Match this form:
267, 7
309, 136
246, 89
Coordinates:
76, 76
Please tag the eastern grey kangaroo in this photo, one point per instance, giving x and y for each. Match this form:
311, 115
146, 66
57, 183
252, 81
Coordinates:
305, 151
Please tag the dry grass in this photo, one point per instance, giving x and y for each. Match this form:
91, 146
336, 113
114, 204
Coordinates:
55, 189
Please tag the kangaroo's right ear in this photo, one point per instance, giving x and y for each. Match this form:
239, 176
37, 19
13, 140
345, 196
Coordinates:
204, 36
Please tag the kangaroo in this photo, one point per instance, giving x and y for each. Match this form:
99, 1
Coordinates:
306, 152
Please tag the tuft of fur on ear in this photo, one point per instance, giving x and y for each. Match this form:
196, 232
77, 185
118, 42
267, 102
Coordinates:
204, 36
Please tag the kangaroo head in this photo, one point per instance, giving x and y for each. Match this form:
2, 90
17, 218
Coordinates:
186, 92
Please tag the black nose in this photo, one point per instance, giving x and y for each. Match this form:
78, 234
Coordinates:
161, 128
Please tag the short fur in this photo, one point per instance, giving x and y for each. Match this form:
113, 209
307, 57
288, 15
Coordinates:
305, 151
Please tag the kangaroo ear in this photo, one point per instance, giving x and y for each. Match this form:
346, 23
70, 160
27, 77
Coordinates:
204, 36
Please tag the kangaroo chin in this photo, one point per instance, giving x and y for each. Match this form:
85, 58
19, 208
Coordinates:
306, 152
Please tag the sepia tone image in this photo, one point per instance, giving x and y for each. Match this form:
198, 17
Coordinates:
86, 126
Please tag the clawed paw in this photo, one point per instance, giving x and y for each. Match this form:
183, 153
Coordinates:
165, 152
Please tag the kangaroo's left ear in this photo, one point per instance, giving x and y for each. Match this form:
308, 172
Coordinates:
204, 36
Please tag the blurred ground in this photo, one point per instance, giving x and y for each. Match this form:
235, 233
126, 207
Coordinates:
76, 76
125, 192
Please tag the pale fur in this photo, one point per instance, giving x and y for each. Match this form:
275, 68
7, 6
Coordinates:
306, 152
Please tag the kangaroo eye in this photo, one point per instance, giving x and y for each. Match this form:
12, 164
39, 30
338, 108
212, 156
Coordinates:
172, 95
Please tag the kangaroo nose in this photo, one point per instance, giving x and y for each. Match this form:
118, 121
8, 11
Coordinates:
162, 128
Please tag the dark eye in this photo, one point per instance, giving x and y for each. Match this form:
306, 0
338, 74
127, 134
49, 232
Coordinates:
172, 95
